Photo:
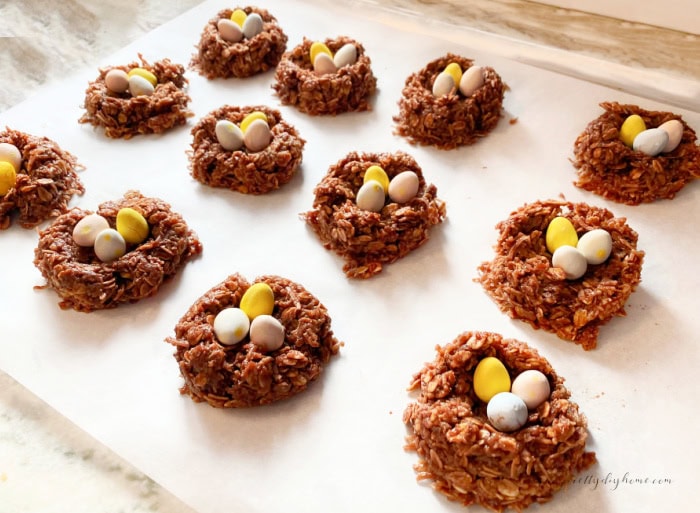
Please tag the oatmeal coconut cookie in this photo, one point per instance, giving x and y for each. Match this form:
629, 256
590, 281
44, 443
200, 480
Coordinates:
138, 98
120, 254
244, 344
632, 156
374, 208
251, 150
494, 425
329, 77
239, 43
563, 267
37, 179
449, 103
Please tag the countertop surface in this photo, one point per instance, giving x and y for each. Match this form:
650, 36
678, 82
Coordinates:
43, 455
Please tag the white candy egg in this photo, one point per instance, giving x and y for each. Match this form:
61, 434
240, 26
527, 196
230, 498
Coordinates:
571, 260
506, 412
229, 30
229, 135
10, 153
139, 86
253, 25
674, 129
444, 84
346, 56
231, 326
532, 387
371, 196
595, 245
257, 136
323, 64
404, 187
472, 79
109, 245
267, 332
86, 230
650, 141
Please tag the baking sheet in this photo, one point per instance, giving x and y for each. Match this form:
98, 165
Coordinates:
339, 446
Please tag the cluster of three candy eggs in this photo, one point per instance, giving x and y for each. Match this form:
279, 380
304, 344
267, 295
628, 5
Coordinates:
651, 141
10, 163
239, 26
376, 187
253, 132
138, 81
574, 254
324, 61
108, 243
453, 79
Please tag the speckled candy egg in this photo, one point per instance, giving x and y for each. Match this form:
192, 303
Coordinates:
506, 412
532, 387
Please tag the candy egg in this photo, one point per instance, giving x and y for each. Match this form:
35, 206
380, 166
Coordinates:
145, 74
267, 333
595, 246
10, 153
109, 245
532, 387
455, 71
560, 232
490, 378
631, 126
257, 136
229, 135
132, 225
674, 129
231, 326
252, 26
316, 48
258, 300
324, 65
117, 80
8, 177
404, 187
377, 174
229, 30
571, 260
346, 56
650, 142
371, 196
444, 84
506, 412
86, 230
238, 16
256, 114
472, 79
139, 86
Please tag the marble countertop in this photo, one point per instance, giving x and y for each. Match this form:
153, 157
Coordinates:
39, 47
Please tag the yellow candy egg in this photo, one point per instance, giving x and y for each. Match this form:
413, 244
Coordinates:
258, 300
560, 232
490, 378
317, 48
141, 72
8, 177
250, 118
378, 174
455, 71
238, 17
631, 127
132, 225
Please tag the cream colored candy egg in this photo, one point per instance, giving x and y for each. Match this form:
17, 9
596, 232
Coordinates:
229, 30
258, 300
139, 86
132, 225
142, 72
257, 136
316, 48
252, 26
674, 129
444, 84
345, 56
229, 135
472, 79
490, 378
267, 333
560, 232
231, 326
86, 230
10, 153
595, 246
256, 114
371, 196
532, 386
109, 245
117, 80
238, 16
377, 174
324, 65
571, 260
651, 141
631, 127
506, 412
8, 177
404, 187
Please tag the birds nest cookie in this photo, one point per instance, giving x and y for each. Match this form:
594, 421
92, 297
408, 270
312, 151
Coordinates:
137, 98
329, 77
243, 344
246, 149
37, 179
484, 439
239, 43
567, 268
120, 254
449, 103
632, 156
374, 208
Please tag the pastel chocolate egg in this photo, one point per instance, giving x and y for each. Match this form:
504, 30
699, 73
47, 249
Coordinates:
10, 153
256, 114
229, 30
532, 386
132, 225
631, 126
455, 71
252, 26
444, 84
324, 65
139, 86
228, 135
571, 260
371, 196
595, 246
316, 48
490, 378
238, 16
267, 333
258, 300
231, 326
142, 72
257, 136
345, 56
674, 129
377, 174
8, 177
109, 245
86, 230
651, 141
506, 412
560, 232
404, 187
117, 81
472, 79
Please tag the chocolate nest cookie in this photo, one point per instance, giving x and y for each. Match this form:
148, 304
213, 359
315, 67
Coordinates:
367, 240
243, 374
123, 115
218, 58
609, 168
468, 459
248, 172
524, 284
85, 283
44, 183
349, 88
450, 120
